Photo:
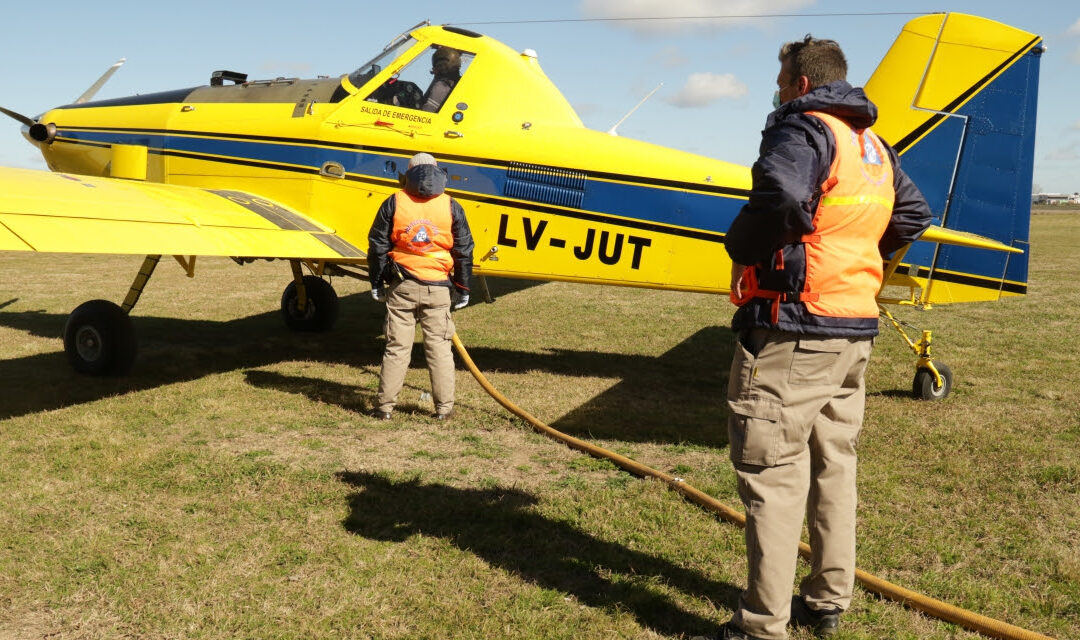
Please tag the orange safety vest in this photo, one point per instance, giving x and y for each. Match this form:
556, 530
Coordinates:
843, 265
422, 236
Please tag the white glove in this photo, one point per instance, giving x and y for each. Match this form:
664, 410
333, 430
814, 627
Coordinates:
376, 294
462, 302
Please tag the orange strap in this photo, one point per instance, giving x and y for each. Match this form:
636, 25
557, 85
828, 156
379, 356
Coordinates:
784, 296
751, 291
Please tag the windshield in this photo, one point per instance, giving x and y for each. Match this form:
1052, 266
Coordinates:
389, 54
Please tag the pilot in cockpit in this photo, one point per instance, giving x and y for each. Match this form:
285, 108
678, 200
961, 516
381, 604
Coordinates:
446, 67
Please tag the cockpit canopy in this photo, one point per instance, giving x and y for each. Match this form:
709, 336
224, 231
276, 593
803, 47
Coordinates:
420, 70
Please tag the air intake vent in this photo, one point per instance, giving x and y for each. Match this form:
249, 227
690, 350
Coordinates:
561, 187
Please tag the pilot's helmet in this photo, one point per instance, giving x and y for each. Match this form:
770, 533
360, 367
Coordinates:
446, 61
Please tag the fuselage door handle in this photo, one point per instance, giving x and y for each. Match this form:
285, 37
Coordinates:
450, 133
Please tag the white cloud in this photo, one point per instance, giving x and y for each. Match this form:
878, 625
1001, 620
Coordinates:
671, 56
1075, 29
1065, 154
704, 88
695, 9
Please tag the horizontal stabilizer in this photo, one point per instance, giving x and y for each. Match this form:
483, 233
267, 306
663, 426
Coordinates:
965, 239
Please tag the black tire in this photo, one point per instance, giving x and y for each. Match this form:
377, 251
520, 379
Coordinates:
321, 311
99, 339
925, 388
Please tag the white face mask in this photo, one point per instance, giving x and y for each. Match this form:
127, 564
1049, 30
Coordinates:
775, 100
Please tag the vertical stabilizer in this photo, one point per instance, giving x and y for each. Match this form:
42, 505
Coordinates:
957, 98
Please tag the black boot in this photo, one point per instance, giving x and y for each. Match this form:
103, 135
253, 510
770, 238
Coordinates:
823, 623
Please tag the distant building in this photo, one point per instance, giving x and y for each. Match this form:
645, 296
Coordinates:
1055, 198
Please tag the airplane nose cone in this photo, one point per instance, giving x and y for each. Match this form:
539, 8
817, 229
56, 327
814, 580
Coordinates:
39, 133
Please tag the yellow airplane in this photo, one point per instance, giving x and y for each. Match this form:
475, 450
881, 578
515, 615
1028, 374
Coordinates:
295, 169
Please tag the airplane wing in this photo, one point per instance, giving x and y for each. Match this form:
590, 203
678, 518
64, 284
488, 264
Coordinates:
57, 212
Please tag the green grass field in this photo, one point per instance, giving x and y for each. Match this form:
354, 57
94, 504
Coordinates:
232, 485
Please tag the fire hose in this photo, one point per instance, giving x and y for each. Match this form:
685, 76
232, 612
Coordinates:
943, 611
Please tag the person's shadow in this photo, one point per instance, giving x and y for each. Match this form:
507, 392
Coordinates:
499, 526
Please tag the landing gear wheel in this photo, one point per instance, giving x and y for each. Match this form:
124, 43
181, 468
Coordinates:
925, 387
321, 311
99, 339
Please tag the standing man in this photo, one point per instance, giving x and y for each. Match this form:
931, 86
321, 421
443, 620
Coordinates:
828, 202
421, 247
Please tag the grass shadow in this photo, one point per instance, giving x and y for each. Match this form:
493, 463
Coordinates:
891, 393
346, 396
676, 397
500, 526
498, 287
175, 350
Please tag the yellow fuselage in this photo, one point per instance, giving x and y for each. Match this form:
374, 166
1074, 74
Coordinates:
560, 201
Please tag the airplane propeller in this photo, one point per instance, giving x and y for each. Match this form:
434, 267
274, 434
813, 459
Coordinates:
35, 130
18, 116
47, 132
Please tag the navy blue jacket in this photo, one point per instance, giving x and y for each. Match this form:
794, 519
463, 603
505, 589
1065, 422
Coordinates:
796, 153
427, 181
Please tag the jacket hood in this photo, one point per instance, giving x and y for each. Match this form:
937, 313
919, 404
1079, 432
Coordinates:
425, 181
839, 99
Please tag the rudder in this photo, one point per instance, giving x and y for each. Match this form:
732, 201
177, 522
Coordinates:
957, 97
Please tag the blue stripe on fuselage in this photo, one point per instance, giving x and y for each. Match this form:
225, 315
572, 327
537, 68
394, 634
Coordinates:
682, 208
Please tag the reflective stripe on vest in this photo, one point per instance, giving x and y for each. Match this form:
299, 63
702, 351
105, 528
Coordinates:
422, 236
843, 265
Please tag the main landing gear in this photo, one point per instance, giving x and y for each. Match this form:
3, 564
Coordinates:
933, 380
309, 303
99, 337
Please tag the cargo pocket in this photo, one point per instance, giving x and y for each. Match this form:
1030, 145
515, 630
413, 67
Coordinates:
814, 360
449, 332
754, 431
742, 371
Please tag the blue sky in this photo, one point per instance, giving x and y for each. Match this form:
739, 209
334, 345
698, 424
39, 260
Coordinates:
718, 76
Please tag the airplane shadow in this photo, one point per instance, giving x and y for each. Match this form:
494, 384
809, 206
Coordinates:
499, 526
173, 350
499, 287
676, 397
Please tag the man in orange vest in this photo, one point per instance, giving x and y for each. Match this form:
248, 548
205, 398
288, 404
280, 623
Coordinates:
421, 247
828, 202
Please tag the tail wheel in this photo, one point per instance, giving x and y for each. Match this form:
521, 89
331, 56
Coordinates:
319, 313
99, 339
925, 386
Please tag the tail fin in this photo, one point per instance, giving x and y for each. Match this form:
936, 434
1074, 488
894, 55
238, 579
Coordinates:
957, 99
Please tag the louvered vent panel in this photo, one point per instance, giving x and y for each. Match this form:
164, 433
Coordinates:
549, 185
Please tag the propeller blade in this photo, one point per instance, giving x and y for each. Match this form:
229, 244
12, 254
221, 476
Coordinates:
92, 91
18, 116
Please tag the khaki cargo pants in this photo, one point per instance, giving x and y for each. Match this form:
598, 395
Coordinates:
406, 302
796, 409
